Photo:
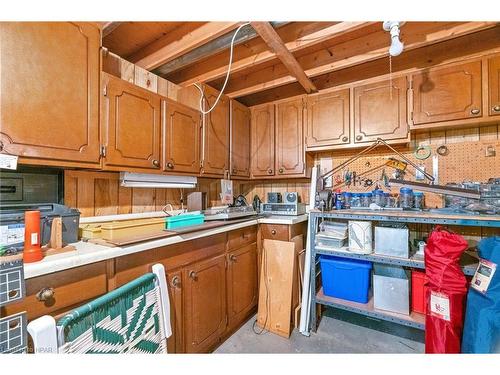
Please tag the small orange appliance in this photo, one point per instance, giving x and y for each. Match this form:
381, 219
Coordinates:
32, 240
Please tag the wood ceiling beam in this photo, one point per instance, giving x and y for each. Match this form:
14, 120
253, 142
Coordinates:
306, 40
366, 48
164, 49
109, 27
272, 39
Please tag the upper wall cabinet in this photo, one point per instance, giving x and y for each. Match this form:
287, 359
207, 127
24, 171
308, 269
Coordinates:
215, 134
262, 164
494, 86
240, 140
181, 138
290, 152
380, 111
131, 126
49, 107
328, 119
447, 93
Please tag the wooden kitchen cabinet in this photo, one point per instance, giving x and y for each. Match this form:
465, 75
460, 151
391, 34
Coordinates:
328, 119
290, 151
241, 284
494, 86
131, 126
239, 140
205, 304
50, 84
380, 111
215, 159
181, 138
447, 93
263, 150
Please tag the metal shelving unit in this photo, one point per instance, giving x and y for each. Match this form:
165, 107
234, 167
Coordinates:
415, 320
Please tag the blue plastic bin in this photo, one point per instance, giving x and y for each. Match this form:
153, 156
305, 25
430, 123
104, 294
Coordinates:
347, 279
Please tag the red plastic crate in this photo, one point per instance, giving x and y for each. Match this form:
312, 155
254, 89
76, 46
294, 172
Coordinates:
418, 292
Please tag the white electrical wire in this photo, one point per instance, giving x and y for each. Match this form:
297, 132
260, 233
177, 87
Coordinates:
227, 75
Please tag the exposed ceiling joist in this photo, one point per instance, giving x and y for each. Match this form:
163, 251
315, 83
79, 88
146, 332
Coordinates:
272, 39
151, 56
306, 40
108, 27
211, 48
367, 48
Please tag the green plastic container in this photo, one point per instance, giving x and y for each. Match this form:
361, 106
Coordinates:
184, 220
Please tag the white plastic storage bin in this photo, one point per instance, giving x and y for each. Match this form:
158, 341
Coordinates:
392, 240
360, 237
391, 288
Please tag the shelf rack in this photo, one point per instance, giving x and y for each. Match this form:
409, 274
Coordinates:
415, 320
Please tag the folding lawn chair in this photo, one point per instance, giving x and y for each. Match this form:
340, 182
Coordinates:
134, 318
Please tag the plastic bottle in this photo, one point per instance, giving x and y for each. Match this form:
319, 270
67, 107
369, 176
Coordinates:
379, 198
419, 200
356, 200
366, 199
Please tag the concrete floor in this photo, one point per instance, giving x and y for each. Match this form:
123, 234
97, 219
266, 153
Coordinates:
338, 332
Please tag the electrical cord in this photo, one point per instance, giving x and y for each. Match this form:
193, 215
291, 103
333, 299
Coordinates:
227, 75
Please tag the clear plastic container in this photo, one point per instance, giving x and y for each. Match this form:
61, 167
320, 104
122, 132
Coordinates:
379, 198
406, 198
418, 200
366, 199
356, 200
392, 200
347, 199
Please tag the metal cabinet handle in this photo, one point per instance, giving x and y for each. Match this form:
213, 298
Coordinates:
45, 294
475, 111
496, 108
281, 170
273, 232
192, 275
269, 171
170, 165
232, 258
156, 163
359, 138
345, 139
176, 281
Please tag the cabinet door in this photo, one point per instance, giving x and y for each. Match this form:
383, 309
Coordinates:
380, 111
49, 80
181, 138
175, 343
205, 302
328, 119
263, 141
132, 126
240, 140
216, 135
450, 93
494, 85
290, 152
241, 284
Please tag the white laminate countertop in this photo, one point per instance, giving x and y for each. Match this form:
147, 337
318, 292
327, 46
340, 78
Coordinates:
87, 252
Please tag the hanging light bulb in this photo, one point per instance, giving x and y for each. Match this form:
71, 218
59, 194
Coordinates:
396, 45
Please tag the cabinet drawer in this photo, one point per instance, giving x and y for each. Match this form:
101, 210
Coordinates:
275, 232
241, 237
68, 288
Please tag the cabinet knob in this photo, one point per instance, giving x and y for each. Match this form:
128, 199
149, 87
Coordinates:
475, 111
495, 109
170, 165
176, 281
234, 170
156, 163
232, 258
273, 232
280, 170
45, 294
269, 171
345, 139
359, 138
192, 275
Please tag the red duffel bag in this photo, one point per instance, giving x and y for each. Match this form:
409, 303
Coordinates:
446, 291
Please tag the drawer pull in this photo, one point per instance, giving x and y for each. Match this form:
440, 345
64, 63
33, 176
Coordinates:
156, 163
232, 258
170, 165
176, 282
269, 171
273, 232
193, 275
496, 108
359, 138
281, 170
45, 294
345, 139
475, 111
